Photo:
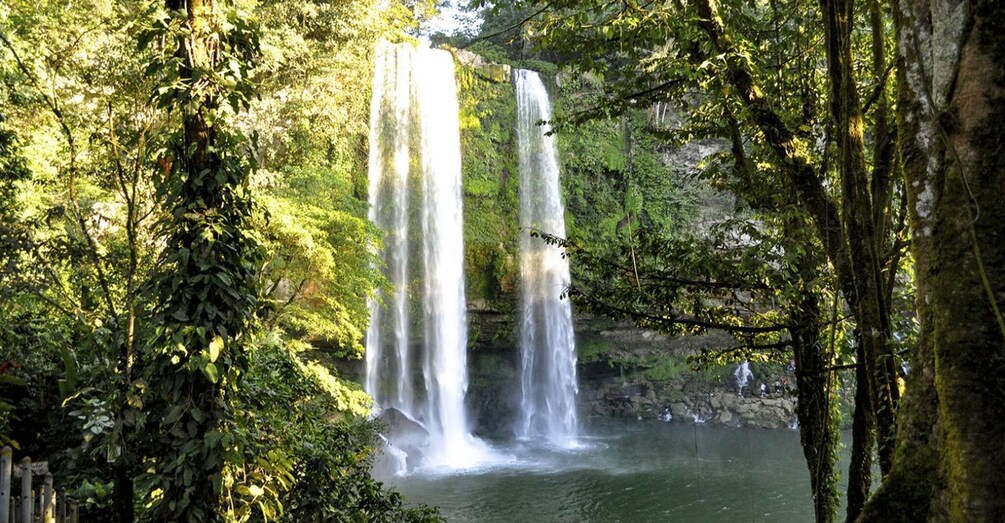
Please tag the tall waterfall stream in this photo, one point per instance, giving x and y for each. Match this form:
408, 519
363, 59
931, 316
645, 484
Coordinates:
415, 197
547, 340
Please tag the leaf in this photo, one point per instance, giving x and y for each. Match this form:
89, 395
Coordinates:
215, 347
12, 380
211, 372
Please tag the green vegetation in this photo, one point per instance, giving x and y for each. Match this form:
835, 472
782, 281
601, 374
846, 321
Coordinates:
491, 188
183, 221
591, 350
828, 125
612, 173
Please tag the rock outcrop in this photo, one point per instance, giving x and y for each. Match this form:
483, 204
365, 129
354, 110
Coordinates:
610, 388
672, 401
490, 71
405, 438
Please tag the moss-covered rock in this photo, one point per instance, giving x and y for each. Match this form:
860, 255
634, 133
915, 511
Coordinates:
491, 71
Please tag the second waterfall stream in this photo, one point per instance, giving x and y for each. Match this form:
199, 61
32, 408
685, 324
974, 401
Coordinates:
547, 341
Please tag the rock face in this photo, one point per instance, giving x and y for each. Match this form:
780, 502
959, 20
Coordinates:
607, 389
490, 71
685, 403
399, 424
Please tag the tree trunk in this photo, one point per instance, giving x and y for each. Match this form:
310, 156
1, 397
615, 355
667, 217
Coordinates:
863, 438
207, 285
123, 495
950, 463
868, 301
816, 405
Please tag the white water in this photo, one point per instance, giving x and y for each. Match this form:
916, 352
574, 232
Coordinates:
444, 306
547, 341
398, 457
390, 131
414, 115
743, 374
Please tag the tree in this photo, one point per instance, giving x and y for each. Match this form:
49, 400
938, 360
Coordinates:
100, 206
88, 246
755, 72
951, 85
207, 281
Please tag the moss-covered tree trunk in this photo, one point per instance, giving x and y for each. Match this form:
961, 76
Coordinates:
868, 300
849, 233
950, 461
863, 437
816, 397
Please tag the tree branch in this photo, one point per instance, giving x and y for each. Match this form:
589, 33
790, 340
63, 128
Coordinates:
517, 25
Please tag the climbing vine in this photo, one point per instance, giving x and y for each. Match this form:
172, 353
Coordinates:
206, 287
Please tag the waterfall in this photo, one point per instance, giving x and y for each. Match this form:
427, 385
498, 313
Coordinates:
398, 456
742, 374
444, 306
415, 148
389, 168
547, 340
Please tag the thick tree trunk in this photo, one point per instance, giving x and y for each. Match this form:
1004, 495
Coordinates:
950, 462
868, 300
123, 495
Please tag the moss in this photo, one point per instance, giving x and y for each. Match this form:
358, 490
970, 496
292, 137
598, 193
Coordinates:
592, 349
667, 368
909, 492
608, 170
546, 68
491, 206
494, 72
651, 366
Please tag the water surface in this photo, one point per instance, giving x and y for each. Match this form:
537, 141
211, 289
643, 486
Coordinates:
630, 471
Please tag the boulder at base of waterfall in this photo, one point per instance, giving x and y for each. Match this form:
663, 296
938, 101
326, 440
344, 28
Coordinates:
404, 433
396, 423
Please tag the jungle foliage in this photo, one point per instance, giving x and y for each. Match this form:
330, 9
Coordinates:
183, 229
811, 259
183, 232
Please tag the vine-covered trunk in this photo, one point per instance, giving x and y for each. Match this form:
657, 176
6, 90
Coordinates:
206, 284
950, 463
867, 297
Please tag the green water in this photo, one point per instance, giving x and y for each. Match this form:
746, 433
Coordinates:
631, 471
